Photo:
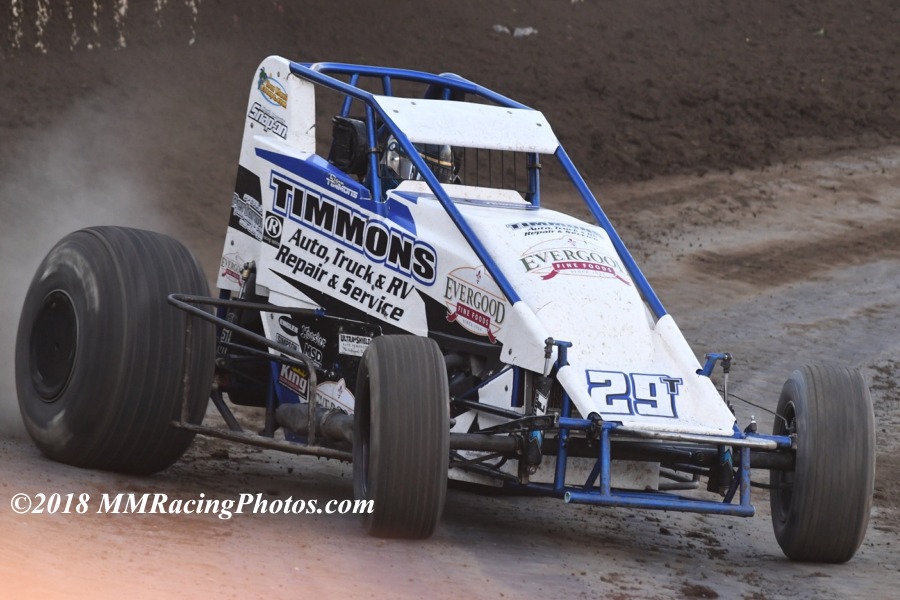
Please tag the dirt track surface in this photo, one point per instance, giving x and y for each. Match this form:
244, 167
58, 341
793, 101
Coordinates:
795, 263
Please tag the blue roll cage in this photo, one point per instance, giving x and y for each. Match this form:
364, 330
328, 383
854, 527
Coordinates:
321, 73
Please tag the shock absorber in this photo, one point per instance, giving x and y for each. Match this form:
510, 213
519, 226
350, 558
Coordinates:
531, 460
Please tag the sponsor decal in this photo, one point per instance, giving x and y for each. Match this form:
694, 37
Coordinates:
286, 342
311, 336
232, 264
531, 228
372, 238
271, 89
246, 204
313, 353
571, 256
294, 379
357, 282
248, 211
312, 343
333, 246
353, 345
335, 395
288, 325
475, 302
268, 121
272, 228
335, 183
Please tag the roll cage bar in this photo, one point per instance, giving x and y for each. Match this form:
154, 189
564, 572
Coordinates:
449, 86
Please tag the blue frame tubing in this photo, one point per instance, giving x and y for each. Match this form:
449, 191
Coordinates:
601, 492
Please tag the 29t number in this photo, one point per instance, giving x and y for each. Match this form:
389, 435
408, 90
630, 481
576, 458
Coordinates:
641, 394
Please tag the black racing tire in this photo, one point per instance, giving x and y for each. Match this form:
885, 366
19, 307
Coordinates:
100, 353
820, 510
401, 436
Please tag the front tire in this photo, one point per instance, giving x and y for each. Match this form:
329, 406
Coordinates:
401, 436
820, 510
100, 355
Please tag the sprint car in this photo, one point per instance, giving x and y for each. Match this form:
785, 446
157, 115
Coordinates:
393, 293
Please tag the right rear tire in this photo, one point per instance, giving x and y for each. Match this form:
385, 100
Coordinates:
401, 436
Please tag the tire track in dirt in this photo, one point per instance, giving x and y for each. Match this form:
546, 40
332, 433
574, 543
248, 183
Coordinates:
797, 264
771, 265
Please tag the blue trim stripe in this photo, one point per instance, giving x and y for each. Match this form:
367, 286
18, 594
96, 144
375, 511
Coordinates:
392, 210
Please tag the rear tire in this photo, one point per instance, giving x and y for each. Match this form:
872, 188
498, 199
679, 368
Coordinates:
820, 510
401, 436
100, 353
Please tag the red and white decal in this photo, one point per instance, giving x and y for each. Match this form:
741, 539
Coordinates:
475, 302
571, 256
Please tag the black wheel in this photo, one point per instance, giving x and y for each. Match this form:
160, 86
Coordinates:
401, 436
820, 510
100, 354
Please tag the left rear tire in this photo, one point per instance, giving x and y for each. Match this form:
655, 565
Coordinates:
101, 362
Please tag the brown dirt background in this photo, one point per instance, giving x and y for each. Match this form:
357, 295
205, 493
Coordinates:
748, 154
634, 89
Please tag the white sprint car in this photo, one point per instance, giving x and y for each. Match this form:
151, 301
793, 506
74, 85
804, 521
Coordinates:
393, 293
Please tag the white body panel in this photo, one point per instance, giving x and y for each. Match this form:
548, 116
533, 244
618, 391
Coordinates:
573, 287
280, 111
470, 125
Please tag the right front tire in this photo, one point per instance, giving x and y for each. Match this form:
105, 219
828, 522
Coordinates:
820, 510
401, 436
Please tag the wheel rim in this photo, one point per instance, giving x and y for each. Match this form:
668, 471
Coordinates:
54, 339
784, 480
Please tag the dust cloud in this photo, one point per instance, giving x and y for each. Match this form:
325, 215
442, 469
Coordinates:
89, 136
73, 174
